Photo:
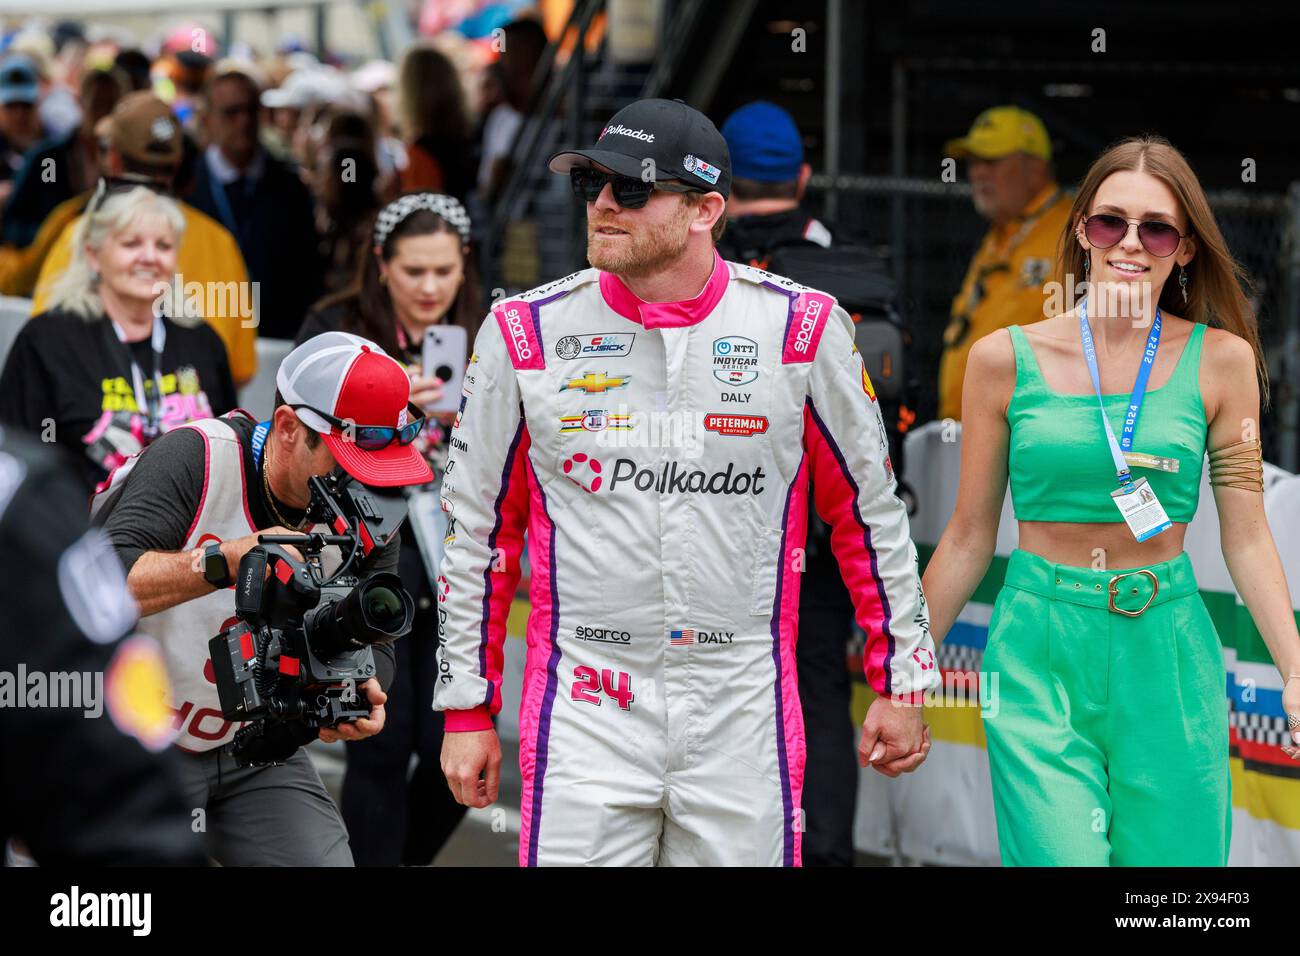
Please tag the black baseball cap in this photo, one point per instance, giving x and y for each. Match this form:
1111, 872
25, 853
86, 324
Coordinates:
682, 142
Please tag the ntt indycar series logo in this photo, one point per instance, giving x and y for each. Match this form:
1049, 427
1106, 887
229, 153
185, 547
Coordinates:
735, 360
622, 130
672, 478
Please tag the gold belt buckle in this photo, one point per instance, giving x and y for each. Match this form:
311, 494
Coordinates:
1113, 592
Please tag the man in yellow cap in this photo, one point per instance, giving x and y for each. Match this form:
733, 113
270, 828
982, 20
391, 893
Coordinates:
1008, 158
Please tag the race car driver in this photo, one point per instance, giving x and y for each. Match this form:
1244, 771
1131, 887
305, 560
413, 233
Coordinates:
652, 425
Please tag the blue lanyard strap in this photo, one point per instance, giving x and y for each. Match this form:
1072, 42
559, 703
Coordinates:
259, 442
1125, 443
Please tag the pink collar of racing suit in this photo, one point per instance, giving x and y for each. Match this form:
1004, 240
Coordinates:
654, 315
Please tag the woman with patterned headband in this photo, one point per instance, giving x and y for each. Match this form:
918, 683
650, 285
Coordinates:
420, 272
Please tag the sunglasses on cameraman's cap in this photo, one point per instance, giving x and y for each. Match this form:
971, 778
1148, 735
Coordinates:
1158, 238
374, 437
630, 192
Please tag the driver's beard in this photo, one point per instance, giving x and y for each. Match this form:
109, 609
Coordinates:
648, 254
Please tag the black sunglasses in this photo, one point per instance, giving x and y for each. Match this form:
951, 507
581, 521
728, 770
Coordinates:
629, 191
1158, 238
373, 437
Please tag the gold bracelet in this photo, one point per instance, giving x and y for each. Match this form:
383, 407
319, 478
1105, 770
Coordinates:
1240, 465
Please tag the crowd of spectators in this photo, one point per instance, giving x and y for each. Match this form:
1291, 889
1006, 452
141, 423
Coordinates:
287, 155
164, 207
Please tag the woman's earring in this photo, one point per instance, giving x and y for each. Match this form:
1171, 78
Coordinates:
383, 278
1087, 265
1182, 282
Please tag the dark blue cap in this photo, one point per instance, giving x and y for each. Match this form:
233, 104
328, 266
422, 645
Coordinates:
18, 80
764, 142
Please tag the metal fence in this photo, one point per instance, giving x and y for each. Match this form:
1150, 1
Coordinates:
929, 230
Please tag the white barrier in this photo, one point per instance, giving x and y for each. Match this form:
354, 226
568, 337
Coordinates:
943, 813
13, 314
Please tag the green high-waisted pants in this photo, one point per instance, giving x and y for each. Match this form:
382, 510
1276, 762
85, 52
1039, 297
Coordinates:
1107, 734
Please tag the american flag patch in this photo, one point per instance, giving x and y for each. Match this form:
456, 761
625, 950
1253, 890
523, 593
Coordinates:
681, 637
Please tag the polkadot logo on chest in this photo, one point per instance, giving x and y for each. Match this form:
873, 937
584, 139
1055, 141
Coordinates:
583, 471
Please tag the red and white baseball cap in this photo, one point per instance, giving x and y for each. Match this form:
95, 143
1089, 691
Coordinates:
355, 381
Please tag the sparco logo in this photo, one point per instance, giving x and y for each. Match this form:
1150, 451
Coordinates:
520, 338
673, 478
622, 130
602, 635
807, 323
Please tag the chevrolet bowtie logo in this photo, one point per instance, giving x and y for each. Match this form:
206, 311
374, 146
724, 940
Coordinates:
595, 382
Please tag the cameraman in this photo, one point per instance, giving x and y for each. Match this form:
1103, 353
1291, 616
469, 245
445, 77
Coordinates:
184, 512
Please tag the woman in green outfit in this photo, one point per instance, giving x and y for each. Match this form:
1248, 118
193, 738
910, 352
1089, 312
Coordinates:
1110, 740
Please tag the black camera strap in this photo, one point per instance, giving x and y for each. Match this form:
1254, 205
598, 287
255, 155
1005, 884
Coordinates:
148, 401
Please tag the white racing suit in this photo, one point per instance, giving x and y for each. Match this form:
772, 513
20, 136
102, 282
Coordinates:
658, 457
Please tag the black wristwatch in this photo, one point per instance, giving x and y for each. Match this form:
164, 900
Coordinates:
216, 569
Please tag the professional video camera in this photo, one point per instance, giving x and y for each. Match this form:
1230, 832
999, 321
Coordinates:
294, 660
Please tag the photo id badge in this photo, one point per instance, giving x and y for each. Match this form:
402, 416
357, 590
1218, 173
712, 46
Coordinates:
1138, 503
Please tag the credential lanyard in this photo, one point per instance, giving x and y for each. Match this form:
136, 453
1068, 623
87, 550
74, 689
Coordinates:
259, 442
144, 401
1125, 443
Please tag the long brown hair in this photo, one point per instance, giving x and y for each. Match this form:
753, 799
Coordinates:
1216, 283
430, 98
367, 305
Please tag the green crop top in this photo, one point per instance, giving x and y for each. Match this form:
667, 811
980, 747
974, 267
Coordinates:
1059, 462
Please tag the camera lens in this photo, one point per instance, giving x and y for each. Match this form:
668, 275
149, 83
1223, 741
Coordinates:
375, 611
383, 606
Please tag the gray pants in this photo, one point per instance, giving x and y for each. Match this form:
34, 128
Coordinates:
265, 816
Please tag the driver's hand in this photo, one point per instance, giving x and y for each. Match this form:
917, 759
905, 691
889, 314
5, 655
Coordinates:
366, 726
